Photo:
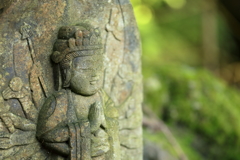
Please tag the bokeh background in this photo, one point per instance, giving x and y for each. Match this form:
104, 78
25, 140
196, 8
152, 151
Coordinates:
191, 68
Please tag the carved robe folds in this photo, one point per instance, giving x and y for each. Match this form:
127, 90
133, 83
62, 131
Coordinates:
60, 130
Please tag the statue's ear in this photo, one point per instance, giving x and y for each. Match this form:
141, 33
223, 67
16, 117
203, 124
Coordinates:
67, 77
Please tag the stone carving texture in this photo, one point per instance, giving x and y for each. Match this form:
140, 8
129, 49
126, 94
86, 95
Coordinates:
37, 119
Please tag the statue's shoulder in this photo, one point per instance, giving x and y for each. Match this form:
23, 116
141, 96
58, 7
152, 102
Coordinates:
110, 109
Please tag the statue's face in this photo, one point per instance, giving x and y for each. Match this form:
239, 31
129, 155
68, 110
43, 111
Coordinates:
87, 75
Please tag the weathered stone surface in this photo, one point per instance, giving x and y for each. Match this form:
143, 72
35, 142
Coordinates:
28, 31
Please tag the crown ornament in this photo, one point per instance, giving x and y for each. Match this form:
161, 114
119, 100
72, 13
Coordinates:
76, 41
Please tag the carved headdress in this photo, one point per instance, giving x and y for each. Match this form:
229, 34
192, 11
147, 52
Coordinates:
75, 41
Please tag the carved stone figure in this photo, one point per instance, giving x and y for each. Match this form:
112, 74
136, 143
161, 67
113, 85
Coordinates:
57, 76
80, 121
21, 131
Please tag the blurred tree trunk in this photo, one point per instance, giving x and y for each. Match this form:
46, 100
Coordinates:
210, 51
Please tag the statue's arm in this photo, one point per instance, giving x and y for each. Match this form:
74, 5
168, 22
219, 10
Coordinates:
58, 134
54, 138
19, 122
61, 148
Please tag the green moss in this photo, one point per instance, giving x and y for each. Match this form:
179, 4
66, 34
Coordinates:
196, 99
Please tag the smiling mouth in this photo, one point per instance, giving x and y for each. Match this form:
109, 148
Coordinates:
93, 82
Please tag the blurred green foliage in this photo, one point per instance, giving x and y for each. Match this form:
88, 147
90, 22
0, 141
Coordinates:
198, 102
169, 35
189, 98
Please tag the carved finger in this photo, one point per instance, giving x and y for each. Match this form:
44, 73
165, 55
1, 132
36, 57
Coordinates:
7, 90
7, 94
4, 135
11, 129
9, 124
5, 143
6, 120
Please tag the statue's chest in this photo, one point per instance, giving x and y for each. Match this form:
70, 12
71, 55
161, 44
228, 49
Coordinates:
82, 106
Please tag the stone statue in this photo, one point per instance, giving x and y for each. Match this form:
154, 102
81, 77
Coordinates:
79, 121
69, 90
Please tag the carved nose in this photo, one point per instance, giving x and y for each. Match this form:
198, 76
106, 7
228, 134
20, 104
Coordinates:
95, 75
